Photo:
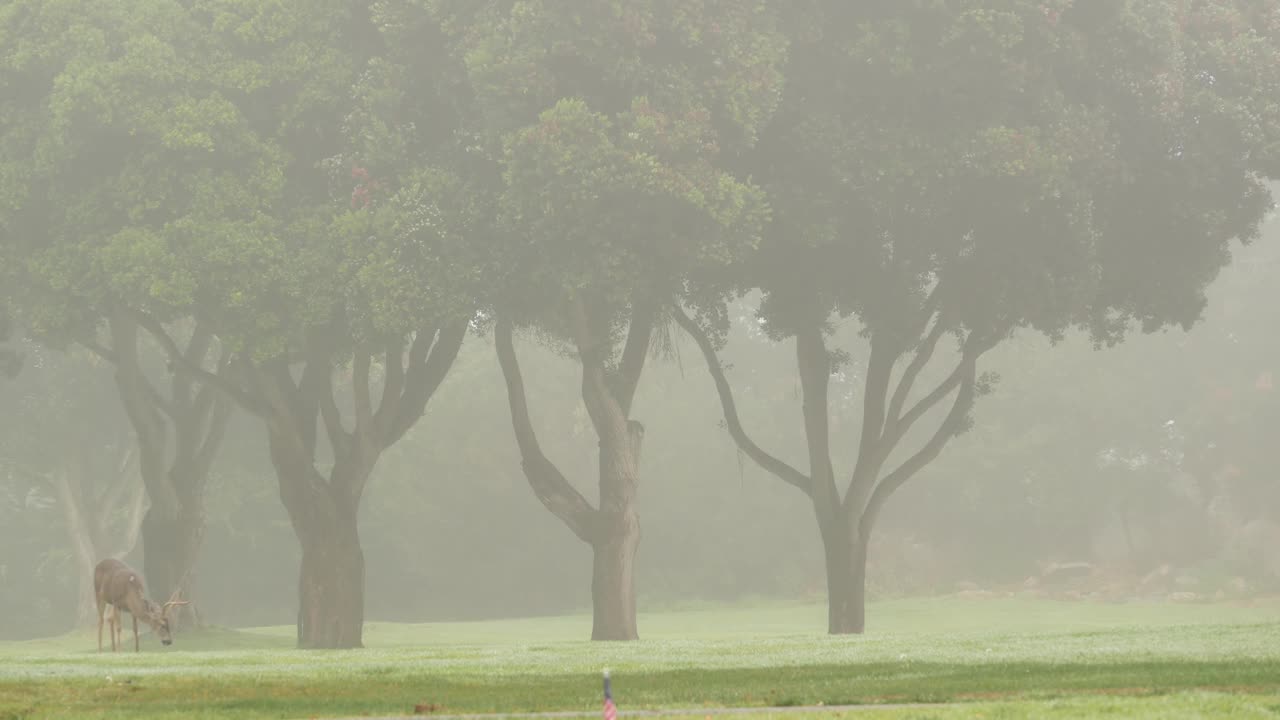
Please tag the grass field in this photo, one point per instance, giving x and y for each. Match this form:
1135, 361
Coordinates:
992, 659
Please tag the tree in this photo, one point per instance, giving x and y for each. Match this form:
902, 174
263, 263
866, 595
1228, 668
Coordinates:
947, 174
347, 299
105, 138
59, 448
612, 127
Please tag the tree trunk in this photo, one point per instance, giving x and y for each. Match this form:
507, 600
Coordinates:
616, 536
171, 547
331, 580
331, 588
613, 589
845, 552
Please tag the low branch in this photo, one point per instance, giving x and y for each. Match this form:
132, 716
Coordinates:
769, 463
548, 483
250, 402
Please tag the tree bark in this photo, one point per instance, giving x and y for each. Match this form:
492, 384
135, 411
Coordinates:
613, 590
845, 553
613, 529
331, 585
331, 578
171, 547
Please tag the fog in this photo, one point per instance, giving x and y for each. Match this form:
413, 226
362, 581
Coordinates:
450, 311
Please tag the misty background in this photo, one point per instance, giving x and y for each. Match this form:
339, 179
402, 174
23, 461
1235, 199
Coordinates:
1155, 461
325, 312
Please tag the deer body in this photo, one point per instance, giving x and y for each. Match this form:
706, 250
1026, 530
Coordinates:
119, 586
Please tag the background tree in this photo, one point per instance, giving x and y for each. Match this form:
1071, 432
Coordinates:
106, 142
56, 450
952, 173
611, 125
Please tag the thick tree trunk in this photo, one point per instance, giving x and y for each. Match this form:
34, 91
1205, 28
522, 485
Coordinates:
331, 588
846, 562
617, 536
331, 580
613, 589
171, 547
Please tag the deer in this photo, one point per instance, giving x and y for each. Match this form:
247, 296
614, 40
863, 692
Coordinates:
117, 588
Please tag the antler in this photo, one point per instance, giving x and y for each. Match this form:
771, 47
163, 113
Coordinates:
173, 601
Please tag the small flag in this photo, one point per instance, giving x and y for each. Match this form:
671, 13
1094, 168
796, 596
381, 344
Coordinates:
610, 710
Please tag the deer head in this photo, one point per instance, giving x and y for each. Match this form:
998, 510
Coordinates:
158, 616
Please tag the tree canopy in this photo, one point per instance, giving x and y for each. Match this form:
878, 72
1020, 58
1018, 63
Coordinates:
308, 205
965, 170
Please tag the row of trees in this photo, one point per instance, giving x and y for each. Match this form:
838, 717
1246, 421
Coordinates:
309, 206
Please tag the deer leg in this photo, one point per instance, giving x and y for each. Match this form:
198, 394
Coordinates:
100, 610
135, 632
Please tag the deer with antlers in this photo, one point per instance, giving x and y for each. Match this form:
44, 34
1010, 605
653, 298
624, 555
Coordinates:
119, 587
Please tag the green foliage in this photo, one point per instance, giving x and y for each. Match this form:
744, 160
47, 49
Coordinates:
1049, 164
613, 127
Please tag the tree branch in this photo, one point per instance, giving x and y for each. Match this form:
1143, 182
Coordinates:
814, 365
769, 463
197, 348
926, 403
606, 413
949, 427
250, 402
332, 417
279, 412
302, 398
124, 342
924, 352
215, 430
425, 375
872, 448
392, 385
548, 483
93, 346
360, 392
639, 337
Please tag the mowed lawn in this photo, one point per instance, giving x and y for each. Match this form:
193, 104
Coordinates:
993, 659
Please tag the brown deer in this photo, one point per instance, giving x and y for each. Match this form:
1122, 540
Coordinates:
119, 586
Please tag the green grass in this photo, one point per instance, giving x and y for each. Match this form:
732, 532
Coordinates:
991, 658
